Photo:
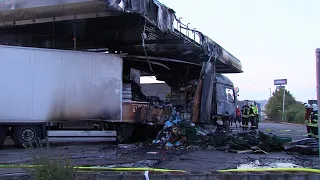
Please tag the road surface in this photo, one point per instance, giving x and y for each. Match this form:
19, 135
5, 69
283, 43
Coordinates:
295, 131
135, 155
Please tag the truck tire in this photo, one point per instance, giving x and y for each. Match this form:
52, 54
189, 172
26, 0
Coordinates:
2, 135
26, 135
125, 133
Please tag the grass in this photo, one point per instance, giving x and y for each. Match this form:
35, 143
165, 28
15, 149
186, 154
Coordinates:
46, 167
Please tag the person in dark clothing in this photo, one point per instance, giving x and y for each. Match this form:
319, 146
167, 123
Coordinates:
245, 110
238, 116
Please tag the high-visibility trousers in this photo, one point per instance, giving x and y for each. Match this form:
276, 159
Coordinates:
312, 128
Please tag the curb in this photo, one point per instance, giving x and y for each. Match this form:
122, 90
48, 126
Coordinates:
200, 175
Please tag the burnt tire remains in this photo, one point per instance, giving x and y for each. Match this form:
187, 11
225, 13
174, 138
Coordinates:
26, 135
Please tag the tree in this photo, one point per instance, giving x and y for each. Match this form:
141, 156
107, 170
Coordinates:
294, 110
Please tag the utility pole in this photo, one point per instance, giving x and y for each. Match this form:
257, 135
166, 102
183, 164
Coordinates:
283, 101
281, 84
270, 93
318, 85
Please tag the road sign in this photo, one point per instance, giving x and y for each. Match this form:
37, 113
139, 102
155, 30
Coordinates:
280, 82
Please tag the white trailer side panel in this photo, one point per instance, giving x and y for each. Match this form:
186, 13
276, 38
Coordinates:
41, 85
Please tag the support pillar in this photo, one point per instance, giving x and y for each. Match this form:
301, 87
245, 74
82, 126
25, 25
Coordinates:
207, 92
318, 86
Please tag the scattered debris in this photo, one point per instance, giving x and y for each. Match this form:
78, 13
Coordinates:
256, 164
142, 163
127, 146
152, 152
309, 146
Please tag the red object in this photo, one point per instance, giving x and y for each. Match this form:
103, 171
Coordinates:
238, 112
307, 115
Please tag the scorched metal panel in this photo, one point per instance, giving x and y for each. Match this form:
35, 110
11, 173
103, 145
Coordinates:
41, 85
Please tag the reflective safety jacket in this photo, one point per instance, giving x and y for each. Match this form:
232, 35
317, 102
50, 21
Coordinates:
255, 110
313, 122
252, 111
245, 111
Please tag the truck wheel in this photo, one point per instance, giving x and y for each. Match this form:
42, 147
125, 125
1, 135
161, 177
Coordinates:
26, 135
125, 133
2, 136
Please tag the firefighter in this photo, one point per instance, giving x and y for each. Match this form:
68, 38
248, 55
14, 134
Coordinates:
245, 110
252, 117
307, 116
313, 122
256, 112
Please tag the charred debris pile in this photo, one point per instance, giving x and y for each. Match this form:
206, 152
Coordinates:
185, 134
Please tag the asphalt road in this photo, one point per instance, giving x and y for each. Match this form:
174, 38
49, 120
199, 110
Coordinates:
107, 154
295, 131
215, 160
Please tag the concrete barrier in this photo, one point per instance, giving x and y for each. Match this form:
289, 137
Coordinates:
158, 175
277, 176
198, 175
313, 176
214, 175
109, 175
178, 175
135, 175
238, 176
258, 176
193, 175
297, 176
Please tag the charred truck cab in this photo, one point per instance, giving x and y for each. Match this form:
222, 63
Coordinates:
225, 104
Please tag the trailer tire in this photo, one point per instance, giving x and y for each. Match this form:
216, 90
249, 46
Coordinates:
2, 135
26, 135
125, 133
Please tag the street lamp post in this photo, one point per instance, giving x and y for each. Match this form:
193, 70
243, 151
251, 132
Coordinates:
270, 92
318, 86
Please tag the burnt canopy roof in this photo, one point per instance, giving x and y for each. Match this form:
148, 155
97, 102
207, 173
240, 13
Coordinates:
142, 30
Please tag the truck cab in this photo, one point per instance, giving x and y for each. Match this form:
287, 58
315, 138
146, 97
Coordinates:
224, 103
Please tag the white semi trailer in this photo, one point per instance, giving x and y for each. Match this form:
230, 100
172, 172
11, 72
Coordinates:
45, 93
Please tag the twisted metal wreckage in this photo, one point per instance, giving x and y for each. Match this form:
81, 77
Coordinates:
146, 34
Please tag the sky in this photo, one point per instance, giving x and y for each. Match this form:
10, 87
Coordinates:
273, 39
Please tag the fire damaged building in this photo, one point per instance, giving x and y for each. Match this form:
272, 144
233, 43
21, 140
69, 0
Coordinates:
95, 51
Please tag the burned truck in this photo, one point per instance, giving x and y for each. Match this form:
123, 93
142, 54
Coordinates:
75, 73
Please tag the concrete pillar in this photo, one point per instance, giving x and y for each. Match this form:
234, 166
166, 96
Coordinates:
318, 86
207, 92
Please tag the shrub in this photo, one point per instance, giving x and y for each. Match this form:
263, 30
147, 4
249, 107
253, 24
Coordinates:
46, 167
295, 113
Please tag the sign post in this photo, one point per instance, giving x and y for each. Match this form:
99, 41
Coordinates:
282, 83
318, 86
